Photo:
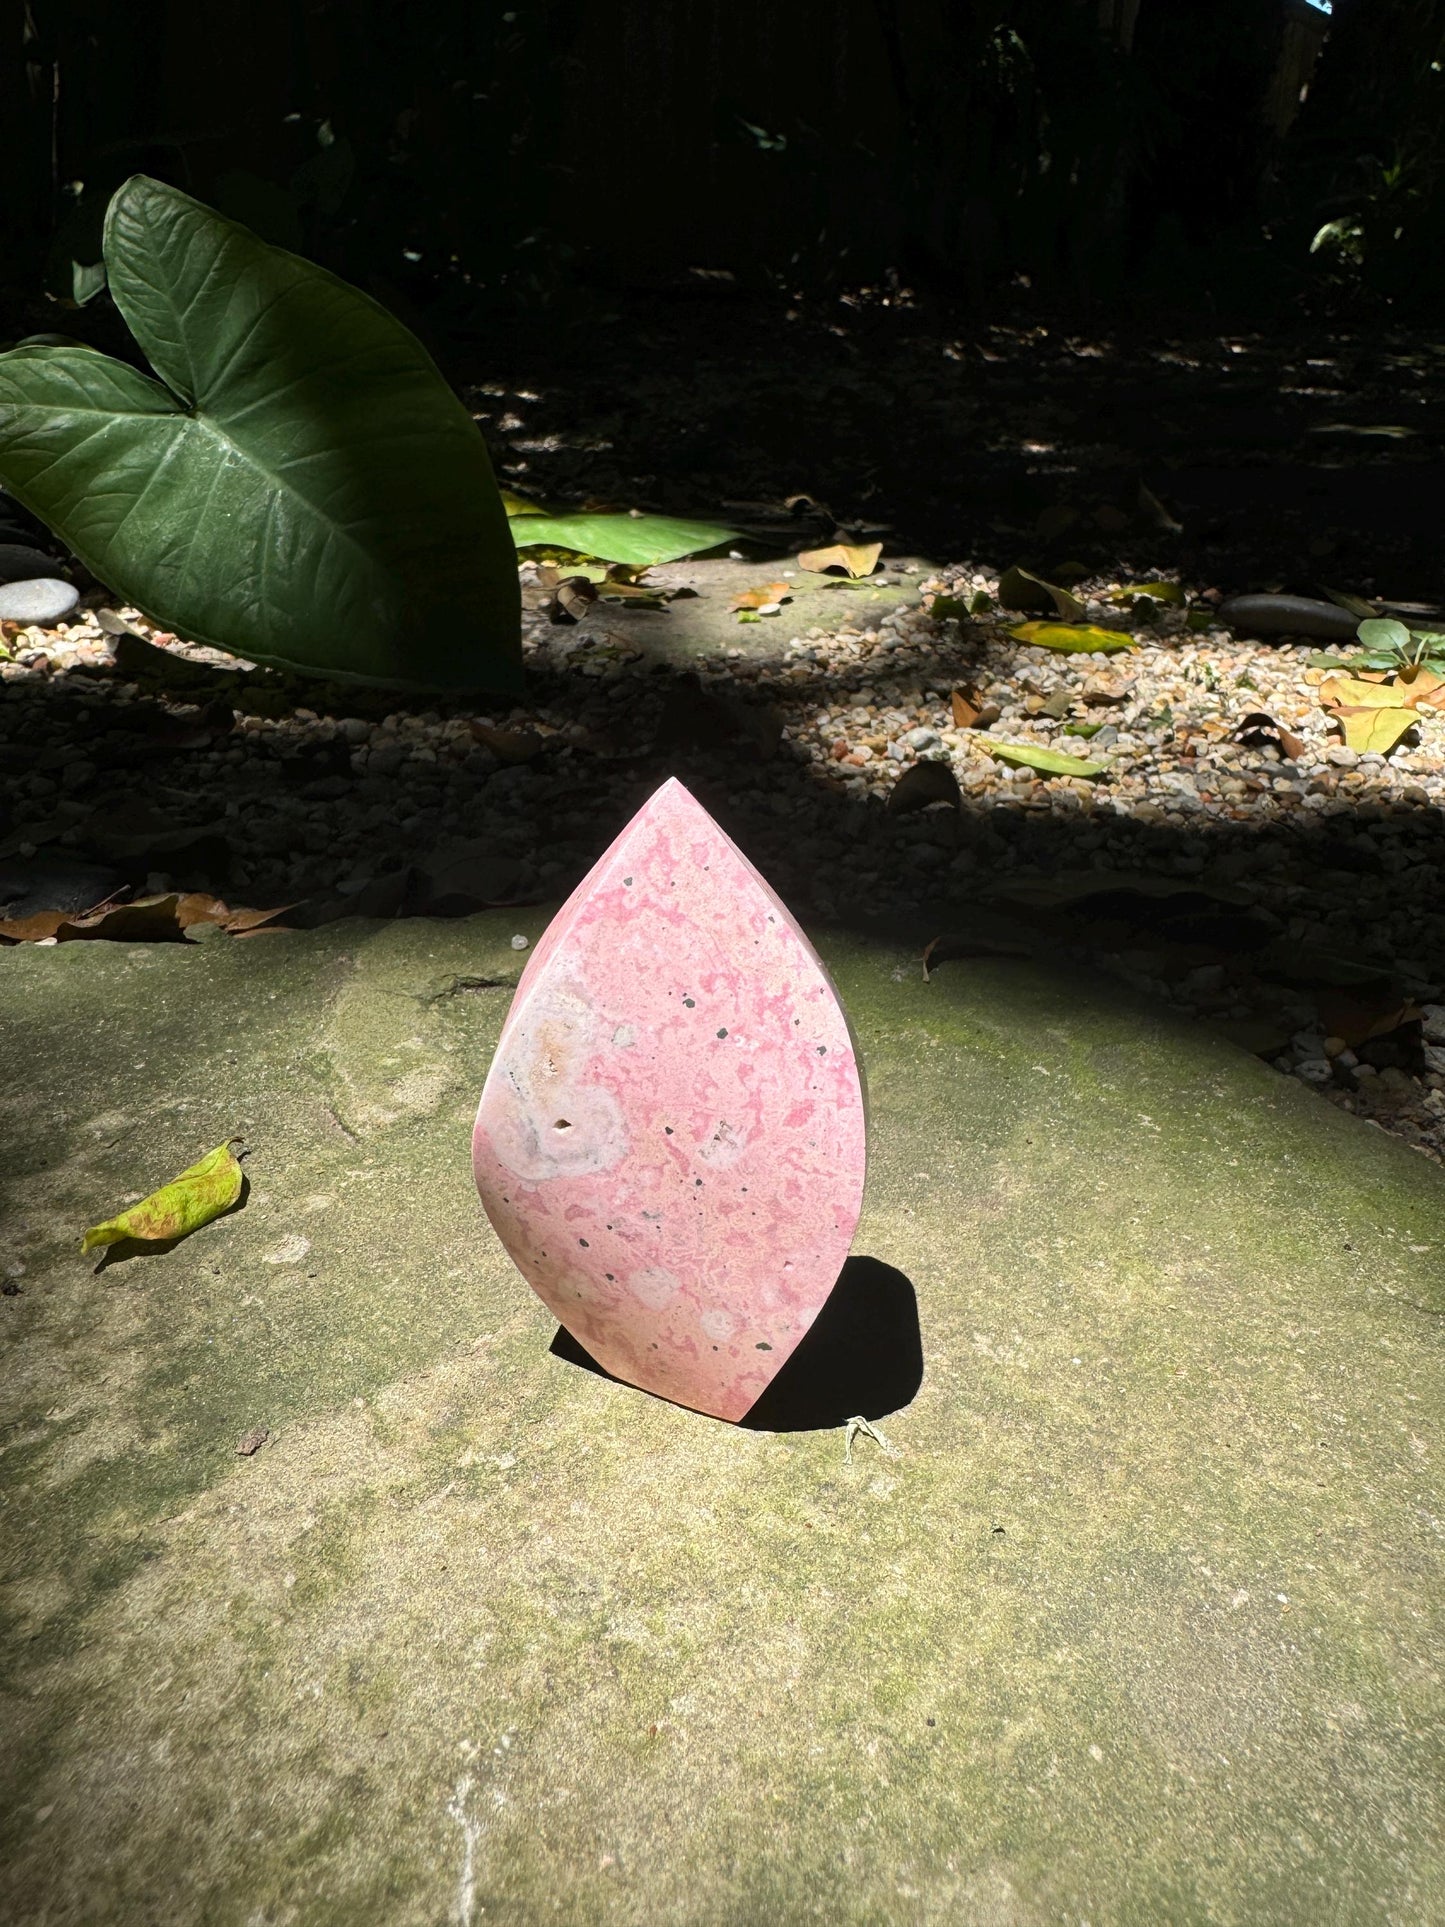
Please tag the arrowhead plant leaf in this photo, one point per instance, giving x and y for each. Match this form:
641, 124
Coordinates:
295, 483
202, 1192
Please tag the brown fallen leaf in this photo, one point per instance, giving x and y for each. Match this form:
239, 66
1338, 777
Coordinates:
1425, 687
1099, 690
971, 710
154, 919
1259, 730
566, 598
923, 784
508, 745
195, 907
251, 1442
1358, 1016
764, 597
855, 561
1361, 1016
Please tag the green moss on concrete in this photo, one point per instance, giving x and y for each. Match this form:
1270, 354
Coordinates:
1141, 1623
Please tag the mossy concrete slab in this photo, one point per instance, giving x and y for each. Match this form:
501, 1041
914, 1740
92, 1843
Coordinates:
1142, 1623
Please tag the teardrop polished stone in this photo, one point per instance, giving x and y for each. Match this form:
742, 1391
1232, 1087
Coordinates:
671, 1138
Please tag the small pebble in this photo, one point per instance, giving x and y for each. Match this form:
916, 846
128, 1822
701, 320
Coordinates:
42, 599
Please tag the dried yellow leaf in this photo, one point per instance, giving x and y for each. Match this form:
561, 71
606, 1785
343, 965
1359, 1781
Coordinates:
855, 562
1349, 692
1377, 729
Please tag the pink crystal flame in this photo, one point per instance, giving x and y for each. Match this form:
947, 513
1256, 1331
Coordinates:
671, 1139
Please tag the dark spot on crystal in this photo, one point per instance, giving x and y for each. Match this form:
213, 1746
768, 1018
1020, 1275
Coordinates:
722, 1033
762, 1346
583, 1243
628, 882
690, 1003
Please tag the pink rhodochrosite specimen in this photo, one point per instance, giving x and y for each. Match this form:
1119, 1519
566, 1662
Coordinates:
670, 1142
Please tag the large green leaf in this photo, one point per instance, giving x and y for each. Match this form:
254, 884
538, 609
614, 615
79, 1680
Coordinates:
300, 486
642, 540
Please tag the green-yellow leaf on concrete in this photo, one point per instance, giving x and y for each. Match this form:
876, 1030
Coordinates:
199, 1194
1377, 729
1077, 638
1053, 762
1156, 591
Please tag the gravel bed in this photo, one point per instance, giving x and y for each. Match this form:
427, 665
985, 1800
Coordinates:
1332, 853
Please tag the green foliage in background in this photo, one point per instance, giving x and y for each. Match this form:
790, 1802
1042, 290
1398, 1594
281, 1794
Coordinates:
1390, 645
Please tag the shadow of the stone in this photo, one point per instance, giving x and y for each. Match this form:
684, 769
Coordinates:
862, 1357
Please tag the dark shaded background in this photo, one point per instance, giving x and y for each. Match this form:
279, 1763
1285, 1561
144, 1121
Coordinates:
710, 237
1109, 150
